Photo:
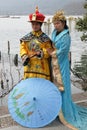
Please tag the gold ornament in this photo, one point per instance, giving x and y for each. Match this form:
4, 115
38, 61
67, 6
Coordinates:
59, 15
34, 17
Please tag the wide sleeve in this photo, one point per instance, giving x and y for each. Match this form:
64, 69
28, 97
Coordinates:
23, 49
64, 46
47, 45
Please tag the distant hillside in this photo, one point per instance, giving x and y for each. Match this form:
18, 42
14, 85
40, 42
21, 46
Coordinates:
74, 8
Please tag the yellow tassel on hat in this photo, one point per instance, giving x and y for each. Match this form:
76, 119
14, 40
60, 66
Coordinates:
36, 16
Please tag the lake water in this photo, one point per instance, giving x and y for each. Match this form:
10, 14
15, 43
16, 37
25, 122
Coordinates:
12, 29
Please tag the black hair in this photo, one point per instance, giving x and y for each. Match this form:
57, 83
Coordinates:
66, 26
37, 22
40, 23
65, 22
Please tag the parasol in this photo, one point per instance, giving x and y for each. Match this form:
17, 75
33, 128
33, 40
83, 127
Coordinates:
34, 102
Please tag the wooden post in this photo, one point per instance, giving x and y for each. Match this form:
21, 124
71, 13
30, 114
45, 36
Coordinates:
8, 47
49, 28
70, 59
16, 60
0, 55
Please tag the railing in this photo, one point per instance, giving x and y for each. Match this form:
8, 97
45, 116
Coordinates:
9, 62
11, 72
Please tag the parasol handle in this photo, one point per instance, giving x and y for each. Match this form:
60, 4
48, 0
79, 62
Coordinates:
32, 55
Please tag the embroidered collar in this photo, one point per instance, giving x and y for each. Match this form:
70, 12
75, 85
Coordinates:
37, 33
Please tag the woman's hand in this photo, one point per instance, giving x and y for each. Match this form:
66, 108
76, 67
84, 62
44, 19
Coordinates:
38, 53
50, 50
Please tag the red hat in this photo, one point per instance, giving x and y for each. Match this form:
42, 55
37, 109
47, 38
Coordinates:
37, 16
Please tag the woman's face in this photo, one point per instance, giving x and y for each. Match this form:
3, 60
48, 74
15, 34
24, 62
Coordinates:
36, 26
59, 26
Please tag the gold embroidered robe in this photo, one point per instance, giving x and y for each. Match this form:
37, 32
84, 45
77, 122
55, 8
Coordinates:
37, 66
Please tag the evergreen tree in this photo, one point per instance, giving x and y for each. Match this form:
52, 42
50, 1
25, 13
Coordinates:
80, 68
81, 24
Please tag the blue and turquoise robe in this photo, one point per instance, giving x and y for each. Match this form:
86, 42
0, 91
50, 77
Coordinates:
71, 115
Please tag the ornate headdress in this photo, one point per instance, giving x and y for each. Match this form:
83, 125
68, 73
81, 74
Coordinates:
59, 15
37, 16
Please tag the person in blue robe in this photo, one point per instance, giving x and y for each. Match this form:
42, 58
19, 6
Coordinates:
71, 115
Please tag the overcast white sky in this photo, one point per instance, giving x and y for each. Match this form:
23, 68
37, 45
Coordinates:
40, 2
9, 6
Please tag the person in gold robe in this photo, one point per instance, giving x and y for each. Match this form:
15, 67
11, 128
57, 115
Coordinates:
33, 49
